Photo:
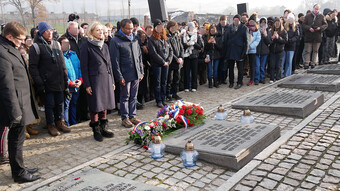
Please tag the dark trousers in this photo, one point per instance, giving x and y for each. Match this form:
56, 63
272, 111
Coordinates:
173, 79
275, 65
222, 71
298, 55
128, 99
251, 66
54, 107
240, 71
202, 71
160, 82
82, 107
190, 66
3, 140
16, 138
143, 91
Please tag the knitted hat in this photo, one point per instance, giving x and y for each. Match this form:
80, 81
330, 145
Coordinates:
157, 22
252, 17
44, 26
237, 16
291, 16
326, 11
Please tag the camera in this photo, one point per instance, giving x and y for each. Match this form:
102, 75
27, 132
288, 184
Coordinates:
73, 17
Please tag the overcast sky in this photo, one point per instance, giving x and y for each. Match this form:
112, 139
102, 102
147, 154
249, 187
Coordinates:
140, 7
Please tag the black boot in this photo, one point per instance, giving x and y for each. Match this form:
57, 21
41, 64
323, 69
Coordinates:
103, 129
96, 131
216, 85
210, 83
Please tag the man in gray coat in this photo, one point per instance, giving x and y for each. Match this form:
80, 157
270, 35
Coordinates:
127, 63
16, 101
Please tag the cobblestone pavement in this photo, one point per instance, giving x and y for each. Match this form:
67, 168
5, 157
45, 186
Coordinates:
57, 155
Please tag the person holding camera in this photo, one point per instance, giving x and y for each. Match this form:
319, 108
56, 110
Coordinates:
313, 27
16, 99
48, 71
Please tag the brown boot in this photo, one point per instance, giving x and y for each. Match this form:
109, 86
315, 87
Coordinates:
27, 135
52, 130
127, 123
31, 131
135, 121
61, 126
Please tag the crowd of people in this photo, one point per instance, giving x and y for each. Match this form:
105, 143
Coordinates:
93, 69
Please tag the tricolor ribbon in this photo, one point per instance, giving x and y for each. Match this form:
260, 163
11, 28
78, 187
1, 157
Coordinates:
139, 124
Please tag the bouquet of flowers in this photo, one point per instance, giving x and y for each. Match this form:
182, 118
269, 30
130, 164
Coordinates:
169, 118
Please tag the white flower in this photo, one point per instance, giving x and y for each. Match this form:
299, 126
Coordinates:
147, 128
166, 117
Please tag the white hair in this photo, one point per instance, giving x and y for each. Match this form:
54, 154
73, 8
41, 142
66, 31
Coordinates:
72, 23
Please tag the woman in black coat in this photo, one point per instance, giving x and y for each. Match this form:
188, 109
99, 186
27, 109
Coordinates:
98, 80
160, 53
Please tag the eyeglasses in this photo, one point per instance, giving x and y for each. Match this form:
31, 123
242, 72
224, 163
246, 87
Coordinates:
20, 39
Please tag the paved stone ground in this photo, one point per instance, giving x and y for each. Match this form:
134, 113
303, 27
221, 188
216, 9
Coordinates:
55, 155
308, 161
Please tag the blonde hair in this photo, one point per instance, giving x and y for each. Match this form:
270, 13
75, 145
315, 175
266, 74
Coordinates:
90, 30
287, 28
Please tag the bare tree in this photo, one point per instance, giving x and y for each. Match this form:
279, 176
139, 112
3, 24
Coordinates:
19, 5
37, 4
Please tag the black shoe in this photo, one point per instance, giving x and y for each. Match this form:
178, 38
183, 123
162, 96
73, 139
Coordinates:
139, 106
312, 66
306, 67
160, 105
216, 84
31, 170
238, 86
176, 97
168, 98
103, 129
164, 104
210, 83
96, 131
231, 85
263, 82
26, 177
256, 83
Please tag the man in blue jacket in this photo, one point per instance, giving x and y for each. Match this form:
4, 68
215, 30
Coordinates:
127, 64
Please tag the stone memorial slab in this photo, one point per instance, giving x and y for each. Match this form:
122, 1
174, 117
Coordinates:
326, 69
95, 179
290, 104
227, 144
330, 83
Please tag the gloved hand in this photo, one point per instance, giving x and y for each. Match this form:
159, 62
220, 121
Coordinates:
16, 122
67, 94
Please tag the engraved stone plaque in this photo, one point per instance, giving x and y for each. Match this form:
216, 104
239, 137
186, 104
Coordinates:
290, 104
227, 144
95, 179
326, 69
329, 83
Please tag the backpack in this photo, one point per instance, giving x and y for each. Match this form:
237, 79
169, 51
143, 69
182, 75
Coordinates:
37, 49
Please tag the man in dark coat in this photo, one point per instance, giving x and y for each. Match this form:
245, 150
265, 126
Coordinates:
127, 62
313, 26
16, 101
222, 28
75, 39
235, 46
177, 61
49, 73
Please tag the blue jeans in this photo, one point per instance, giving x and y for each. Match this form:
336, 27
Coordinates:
213, 68
128, 99
54, 107
160, 80
71, 109
260, 67
287, 63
